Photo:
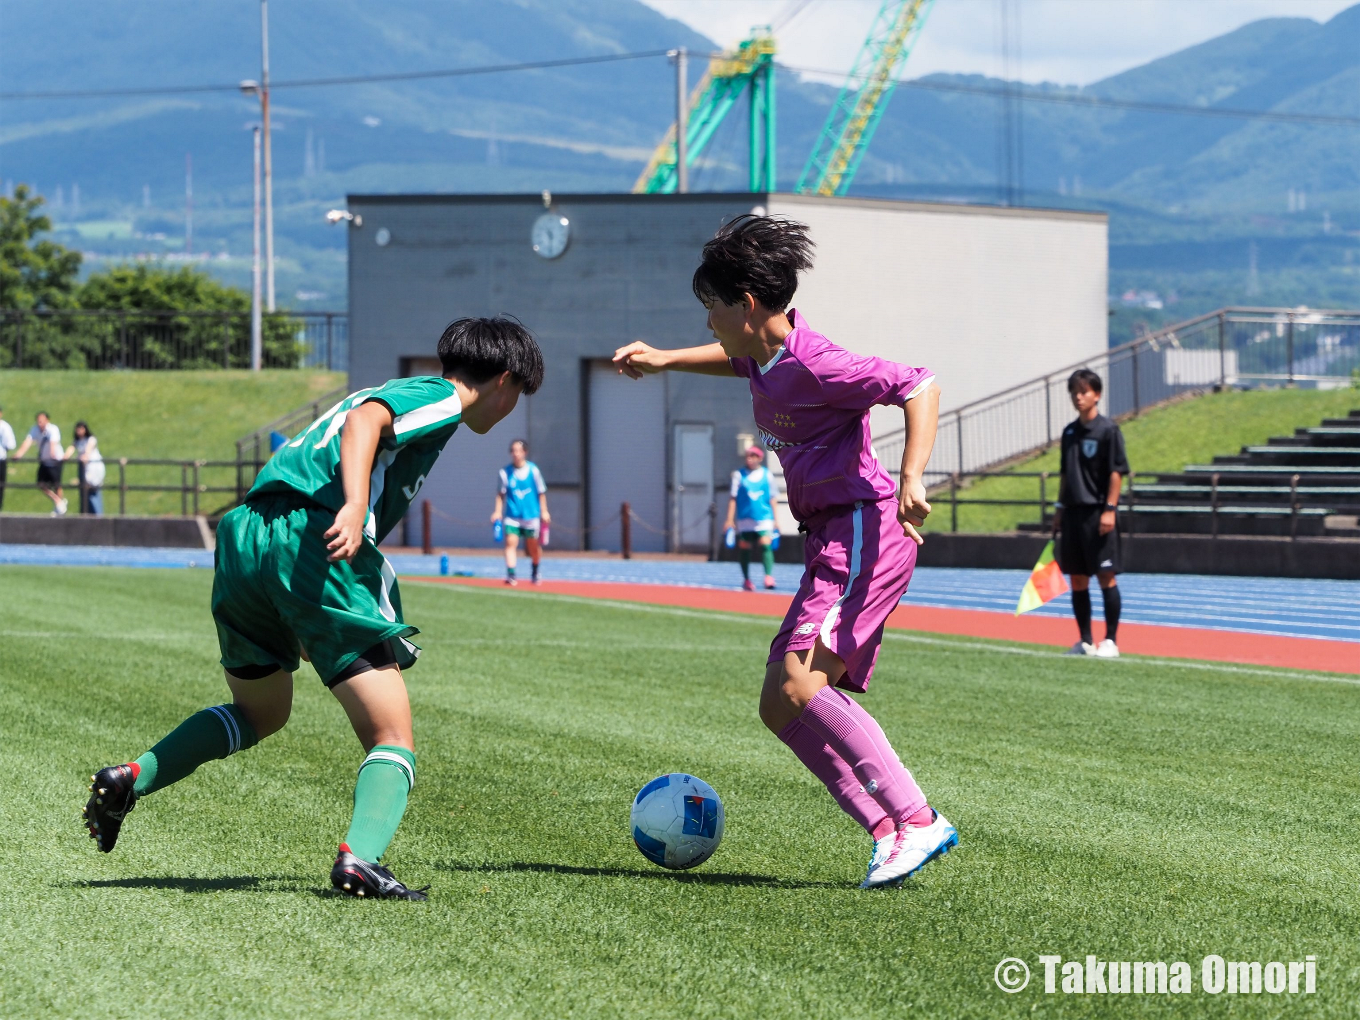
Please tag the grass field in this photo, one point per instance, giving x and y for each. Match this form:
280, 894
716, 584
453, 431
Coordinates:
1136, 811
154, 415
1165, 440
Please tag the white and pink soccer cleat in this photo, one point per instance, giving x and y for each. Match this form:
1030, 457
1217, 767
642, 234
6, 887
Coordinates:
914, 847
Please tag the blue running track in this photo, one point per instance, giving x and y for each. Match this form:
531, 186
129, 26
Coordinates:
1287, 607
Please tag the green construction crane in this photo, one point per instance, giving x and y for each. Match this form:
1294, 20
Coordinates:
729, 75
858, 108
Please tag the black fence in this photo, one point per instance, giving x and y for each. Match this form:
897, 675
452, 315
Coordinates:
1232, 347
148, 486
114, 339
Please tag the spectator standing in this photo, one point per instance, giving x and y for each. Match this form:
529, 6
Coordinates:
522, 509
6, 444
89, 469
48, 438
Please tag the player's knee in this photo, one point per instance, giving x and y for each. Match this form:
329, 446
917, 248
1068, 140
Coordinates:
1107, 580
269, 717
1080, 582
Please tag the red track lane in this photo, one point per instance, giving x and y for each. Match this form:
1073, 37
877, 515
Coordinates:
1136, 638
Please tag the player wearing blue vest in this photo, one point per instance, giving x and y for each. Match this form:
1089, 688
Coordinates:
522, 509
752, 512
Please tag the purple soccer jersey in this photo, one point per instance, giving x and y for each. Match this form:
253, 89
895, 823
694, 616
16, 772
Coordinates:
812, 406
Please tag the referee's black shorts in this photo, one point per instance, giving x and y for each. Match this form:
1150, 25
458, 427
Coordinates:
1081, 548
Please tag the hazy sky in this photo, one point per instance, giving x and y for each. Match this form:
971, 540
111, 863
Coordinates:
1073, 42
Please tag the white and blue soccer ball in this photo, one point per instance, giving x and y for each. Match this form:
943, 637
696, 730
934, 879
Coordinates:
677, 821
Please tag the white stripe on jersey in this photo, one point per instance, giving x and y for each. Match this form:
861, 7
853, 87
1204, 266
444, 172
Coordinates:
429, 414
920, 387
376, 481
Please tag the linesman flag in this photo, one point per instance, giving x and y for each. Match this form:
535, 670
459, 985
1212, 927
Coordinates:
1045, 583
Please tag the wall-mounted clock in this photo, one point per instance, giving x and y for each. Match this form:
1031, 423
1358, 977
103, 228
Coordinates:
550, 234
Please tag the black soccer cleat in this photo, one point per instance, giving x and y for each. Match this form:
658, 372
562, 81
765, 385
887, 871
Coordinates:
112, 797
356, 877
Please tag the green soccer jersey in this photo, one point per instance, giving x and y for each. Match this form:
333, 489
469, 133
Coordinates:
425, 413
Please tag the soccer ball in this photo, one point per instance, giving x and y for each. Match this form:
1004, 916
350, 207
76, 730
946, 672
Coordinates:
677, 821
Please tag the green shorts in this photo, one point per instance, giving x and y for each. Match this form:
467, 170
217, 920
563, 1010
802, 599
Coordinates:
528, 527
274, 592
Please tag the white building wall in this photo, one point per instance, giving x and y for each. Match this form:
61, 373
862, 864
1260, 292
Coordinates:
985, 297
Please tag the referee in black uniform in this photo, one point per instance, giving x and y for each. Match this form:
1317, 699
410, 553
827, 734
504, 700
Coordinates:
1093, 469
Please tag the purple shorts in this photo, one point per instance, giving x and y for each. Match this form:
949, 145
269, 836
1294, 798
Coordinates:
858, 565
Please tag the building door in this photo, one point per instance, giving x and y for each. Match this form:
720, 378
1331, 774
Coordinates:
692, 484
625, 457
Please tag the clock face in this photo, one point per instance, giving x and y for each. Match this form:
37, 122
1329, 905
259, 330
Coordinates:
550, 235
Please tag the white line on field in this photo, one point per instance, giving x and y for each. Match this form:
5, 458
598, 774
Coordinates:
1042, 653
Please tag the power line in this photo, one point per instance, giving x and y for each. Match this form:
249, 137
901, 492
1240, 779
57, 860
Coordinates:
362, 79
1030, 96
1024, 95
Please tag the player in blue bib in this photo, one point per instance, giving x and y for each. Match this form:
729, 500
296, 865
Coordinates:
522, 509
752, 512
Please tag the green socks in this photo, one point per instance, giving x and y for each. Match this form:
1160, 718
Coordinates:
205, 736
767, 555
745, 556
384, 783
380, 794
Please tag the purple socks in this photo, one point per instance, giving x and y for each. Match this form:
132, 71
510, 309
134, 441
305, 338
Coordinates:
832, 770
852, 735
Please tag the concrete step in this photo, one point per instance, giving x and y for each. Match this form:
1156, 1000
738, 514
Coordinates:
1339, 456
1231, 520
1275, 474
86, 529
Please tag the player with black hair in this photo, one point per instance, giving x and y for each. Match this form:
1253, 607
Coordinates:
299, 575
811, 400
1085, 523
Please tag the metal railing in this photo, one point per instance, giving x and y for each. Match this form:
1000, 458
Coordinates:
1303, 501
194, 482
1226, 348
120, 339
253, 450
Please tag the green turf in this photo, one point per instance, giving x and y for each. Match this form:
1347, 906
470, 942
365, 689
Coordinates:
1129, 809
193, 415
1161, 440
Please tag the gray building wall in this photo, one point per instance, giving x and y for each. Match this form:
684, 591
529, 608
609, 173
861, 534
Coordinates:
986, 297
624, 276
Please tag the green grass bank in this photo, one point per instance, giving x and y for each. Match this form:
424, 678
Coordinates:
180, 415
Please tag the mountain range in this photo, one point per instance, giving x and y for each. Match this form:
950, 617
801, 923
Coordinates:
1193, 199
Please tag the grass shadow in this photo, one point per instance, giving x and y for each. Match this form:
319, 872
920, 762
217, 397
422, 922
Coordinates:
226, 883
693, 877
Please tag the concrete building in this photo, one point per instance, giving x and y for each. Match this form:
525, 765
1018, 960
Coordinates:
984, 296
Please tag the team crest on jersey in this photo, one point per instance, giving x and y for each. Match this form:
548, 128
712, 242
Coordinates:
1088, 448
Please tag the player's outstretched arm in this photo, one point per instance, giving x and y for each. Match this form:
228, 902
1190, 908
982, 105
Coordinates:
364, 426
923, 416
638, 359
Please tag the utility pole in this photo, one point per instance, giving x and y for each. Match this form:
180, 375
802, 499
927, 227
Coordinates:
681, 122
256, 318
268, 163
